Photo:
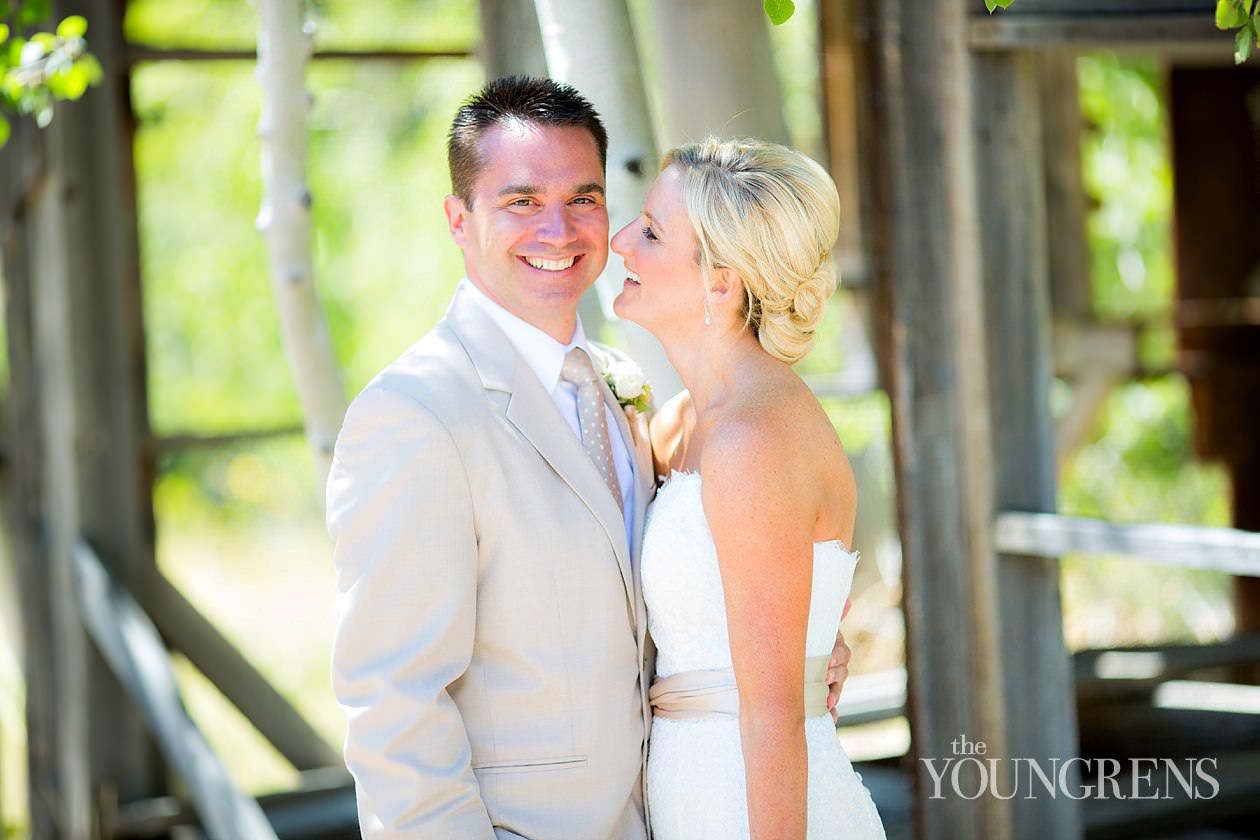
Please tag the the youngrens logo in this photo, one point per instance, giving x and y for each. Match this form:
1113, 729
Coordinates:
969, 774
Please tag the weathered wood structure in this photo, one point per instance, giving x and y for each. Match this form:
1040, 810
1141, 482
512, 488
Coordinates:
975, 223
957, 135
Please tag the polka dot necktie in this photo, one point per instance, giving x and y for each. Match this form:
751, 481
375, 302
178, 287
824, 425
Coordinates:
590, 402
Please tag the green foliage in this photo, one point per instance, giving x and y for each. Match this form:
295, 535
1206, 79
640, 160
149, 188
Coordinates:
779, 11
338, 24
994, 5
1240, 15
43, 68
1128, 177
1138, 465
383, 261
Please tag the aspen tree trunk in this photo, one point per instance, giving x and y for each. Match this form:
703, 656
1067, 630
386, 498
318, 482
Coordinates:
511, 44
712, 65
285, 222
590, 45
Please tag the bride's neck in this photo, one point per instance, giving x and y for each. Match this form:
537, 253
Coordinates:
710, 363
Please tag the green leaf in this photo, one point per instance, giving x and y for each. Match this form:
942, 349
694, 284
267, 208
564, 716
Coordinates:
1230, 14
72, 27
779, 10
993, 5
4, 130
1242, 45
34, 11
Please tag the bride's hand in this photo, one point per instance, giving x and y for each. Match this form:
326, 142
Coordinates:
838, 667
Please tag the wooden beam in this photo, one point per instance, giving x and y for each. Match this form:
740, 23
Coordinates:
1186, 546
131, 645
872, 697
188, 631
1111, 673
321, 807
186, 441
142, 54
1179, 33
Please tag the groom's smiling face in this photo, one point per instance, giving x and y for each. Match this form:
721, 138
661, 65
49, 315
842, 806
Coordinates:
535, 235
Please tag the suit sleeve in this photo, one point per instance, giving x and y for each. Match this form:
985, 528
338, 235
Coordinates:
401, 516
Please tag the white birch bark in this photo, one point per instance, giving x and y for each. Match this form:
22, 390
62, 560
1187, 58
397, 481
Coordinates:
712, 65
285, 223
590, 45
511, 44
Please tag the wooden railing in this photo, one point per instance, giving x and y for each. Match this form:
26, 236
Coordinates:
131, 644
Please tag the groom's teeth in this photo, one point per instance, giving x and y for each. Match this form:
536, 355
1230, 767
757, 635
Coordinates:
632, 277
551, 265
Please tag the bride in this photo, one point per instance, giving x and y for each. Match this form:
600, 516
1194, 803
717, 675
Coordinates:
744, 564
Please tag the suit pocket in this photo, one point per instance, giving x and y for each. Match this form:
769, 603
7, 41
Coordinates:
531, 765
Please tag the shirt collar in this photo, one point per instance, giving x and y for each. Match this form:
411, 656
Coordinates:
542, 353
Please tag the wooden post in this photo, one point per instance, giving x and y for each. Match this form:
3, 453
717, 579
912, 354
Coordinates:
23, 165
842, 63
1061, 128
927, 288
78, 344
1038, 697
958, 213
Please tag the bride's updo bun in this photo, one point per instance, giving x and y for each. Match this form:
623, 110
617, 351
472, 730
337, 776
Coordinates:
771, 215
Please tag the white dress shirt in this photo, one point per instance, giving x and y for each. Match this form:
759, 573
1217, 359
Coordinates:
545, 357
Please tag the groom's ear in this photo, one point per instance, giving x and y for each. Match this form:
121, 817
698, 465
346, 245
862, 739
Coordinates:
456, 217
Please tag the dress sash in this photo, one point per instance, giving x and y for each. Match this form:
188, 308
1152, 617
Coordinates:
696, 695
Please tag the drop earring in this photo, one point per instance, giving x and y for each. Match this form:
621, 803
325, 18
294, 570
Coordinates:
708, 310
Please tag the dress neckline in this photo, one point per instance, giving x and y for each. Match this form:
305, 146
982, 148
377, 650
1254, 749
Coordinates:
674, 474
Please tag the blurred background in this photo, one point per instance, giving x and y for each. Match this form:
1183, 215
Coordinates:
239, 526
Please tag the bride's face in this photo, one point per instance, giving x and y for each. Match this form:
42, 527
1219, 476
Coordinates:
664, 286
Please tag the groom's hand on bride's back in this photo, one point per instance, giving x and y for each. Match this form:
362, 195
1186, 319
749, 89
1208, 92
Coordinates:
838, 667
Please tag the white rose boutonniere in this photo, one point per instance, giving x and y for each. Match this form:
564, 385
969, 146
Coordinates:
628, 384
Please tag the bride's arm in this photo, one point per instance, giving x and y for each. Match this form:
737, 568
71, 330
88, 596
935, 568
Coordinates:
762, 524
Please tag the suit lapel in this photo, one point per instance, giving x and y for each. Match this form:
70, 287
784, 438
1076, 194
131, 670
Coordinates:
640, 449
533, 413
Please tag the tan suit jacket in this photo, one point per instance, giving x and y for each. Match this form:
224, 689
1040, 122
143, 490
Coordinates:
491, 633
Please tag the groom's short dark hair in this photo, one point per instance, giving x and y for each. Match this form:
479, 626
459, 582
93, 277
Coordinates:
525, 98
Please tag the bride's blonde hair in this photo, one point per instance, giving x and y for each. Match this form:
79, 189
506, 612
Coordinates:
771, 215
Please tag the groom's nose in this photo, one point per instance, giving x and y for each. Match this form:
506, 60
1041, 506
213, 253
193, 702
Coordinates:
555, 225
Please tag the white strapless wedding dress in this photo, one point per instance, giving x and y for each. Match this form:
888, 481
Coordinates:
695, 768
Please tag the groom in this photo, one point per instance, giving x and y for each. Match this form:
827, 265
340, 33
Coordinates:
487, 498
